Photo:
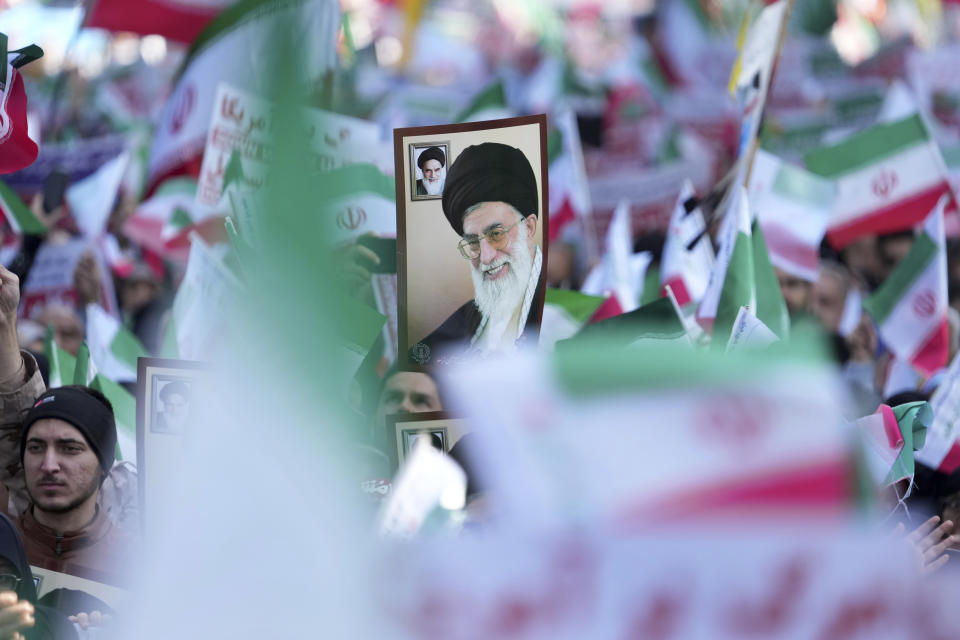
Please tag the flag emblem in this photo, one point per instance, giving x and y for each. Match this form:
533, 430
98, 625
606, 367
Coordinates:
351, 218
925, 303
884, 184
183, 109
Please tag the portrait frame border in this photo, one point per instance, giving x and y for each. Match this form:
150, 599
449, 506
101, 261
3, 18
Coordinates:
404, 362
144, 388
413, 146
393, 430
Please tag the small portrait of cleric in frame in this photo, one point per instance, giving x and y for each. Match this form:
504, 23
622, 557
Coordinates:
430, 163
471, 280
172, 408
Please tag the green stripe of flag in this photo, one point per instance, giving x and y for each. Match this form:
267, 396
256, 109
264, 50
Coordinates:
62, 364
124, 407
771, 307
554, 145
580, 306
127, 348
951, 155
895, 287
82, 368
868, 147
492, 97
176, 186
23, 218
354, 179
797, 184
226, 20
739, 289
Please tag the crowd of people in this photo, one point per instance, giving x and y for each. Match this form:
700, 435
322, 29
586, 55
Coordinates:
636, 103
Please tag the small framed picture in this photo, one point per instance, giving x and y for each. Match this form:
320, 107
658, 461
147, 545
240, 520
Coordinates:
428, 163
167, 391
472, 235
435, 429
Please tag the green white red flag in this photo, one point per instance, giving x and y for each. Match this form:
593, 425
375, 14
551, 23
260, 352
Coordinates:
888, 178
232, 49
910, 307
569, 189
565, 312
113, 347
890, 436
18, 214
794, 208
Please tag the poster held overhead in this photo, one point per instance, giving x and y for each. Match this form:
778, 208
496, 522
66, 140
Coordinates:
471, 247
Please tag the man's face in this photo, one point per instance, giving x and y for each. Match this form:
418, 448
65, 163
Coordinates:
796, 291
61, 470
408, 392
175, 409
433, 177
828, 300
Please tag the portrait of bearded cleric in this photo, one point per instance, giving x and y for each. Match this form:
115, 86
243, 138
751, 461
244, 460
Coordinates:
472, 282
431, 163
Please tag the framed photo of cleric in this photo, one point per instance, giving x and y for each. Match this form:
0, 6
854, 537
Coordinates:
167, 391
471, 260
429, 163
436, 429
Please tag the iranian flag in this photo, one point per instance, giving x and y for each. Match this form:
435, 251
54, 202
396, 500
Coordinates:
489, 104
17, 149
686, 271
890, 436
910, 308
888, 178
179, 20
164, 222
569, 189
794, 208
231, 49
113, 347
18, 214
564, 314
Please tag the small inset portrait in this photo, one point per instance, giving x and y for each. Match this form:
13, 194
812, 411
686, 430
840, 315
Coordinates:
171, 406
436, 438
429, 164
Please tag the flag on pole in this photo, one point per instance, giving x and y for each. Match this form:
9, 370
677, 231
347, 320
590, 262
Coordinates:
771, 307
489, 104
178, 20
231, 50
18, 214
739, 280
91, 200
84, 370
888, 178
113, 347
793, 207
124, 414
564, 314
62, 364
910, 307
569, 189
656, 321
890, 437
686, 272
621, 272
17, 149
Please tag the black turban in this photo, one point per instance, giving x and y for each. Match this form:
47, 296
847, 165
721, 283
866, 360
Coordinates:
431, 153
489, 172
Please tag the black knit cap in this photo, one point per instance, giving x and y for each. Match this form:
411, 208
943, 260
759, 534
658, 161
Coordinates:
489, 172
431, 153
84, 411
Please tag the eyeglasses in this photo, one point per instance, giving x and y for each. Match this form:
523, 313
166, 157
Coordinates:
496, 238
9, 582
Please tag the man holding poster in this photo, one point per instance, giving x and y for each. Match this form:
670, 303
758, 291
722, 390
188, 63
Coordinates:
490, 200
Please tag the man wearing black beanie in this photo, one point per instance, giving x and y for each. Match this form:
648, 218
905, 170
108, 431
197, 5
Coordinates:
66, 440
491, 200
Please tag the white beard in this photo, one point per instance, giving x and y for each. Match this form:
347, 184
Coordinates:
435, 188
498, 299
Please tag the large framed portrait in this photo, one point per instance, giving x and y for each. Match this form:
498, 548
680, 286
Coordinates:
471, 246
436, 429
166, 393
